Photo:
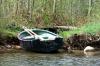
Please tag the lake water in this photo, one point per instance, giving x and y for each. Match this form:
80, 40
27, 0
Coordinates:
55, 59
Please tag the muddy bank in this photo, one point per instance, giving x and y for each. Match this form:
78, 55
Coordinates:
76, 42
81, 41
9, 43
6, 40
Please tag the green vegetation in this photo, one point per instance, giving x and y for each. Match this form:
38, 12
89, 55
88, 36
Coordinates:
93, 28
84, 14
8, 28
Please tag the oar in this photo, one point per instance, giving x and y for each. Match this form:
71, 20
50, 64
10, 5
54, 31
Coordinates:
28, 31
32, 33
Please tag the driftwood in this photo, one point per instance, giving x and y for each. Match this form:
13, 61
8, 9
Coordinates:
56, 29
65, 27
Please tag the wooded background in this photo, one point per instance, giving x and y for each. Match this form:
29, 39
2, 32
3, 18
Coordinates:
39, 13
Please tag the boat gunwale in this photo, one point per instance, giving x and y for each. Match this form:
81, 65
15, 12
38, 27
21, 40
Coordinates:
57, 36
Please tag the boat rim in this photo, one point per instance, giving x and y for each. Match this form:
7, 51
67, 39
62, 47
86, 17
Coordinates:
37, 29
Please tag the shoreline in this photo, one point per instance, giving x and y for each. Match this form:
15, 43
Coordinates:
72, 53
17, 48
10, 49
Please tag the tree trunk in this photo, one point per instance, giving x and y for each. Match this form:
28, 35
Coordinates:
54, 6
90, 7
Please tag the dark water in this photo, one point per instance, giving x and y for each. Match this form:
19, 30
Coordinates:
57, 59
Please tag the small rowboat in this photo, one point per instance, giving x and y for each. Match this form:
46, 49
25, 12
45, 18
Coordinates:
40, 40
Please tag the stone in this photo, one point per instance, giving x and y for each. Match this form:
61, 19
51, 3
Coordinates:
89, 48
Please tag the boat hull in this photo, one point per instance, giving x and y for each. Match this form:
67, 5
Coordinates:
32, 44
42, 46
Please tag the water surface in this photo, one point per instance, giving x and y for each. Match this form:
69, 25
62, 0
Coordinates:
56, 59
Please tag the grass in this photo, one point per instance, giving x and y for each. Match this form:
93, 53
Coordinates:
69, 33
9, 28
93, 28
7, 33
87, 28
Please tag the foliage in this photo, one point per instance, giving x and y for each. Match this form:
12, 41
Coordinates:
47, 13
92, 28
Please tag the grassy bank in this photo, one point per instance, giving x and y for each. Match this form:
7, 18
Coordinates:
8, 37
9, 30
92, 28
12, 30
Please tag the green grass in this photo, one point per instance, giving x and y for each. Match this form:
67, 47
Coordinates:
9, 28
69, 33
7, 33
4, 33
93, 28
87, 28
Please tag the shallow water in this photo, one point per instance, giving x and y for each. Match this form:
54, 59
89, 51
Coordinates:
55, 59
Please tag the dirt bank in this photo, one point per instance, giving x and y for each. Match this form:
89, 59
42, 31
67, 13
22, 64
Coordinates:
81, 41
76, 41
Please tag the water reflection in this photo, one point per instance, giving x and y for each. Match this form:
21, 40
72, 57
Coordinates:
58, 59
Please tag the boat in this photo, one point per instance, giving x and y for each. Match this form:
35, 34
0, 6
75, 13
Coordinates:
40, 40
